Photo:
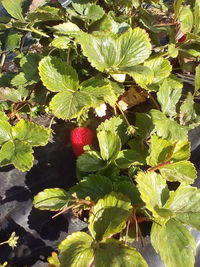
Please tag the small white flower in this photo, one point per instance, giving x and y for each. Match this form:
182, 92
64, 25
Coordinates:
101, 110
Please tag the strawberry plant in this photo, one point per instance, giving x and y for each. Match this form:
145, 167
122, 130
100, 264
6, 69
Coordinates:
133, 164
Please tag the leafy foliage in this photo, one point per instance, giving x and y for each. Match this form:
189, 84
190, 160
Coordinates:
90, 55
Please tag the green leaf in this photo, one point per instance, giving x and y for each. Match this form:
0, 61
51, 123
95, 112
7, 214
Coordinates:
76, 250
14, 8
109, 144
130, 190
10, 40
182, 171
187, 111
44, 14
22, 156
144, 125
109, 52
128, 157
192, 48
61, 42
161, 68
100, 92
141, 74
181, 151
197, 79
68, 105
112, 253
153, 190
6, 153
172, 50
94, 12
57, 76
168, 97
31, 133
5, 132
167, 128
185, 203
94, 186
116, 125
174, 243
160, 151
90, 161
109, 216
197, 17
52, 199
10, 94
19, 80
186, 19
3, 116
29, 65
66, 28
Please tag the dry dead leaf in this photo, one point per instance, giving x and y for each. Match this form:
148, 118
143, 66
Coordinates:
35, 4
131, 98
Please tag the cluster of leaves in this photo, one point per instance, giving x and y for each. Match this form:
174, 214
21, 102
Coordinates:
118, 201
89, 54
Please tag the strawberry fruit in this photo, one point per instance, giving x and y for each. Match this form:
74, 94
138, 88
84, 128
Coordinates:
80, 137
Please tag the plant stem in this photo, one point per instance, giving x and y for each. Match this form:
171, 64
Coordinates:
160, 166
154, 102
123, 114
32, 29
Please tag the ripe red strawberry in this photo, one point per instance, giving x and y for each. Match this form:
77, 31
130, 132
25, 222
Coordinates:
182, 39
80, 137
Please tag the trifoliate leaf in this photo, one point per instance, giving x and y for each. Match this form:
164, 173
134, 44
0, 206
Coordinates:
109, 52
153, 190
90, 161
31, 133
167, 128
168, 97
76, 250
57, 76
94, 186
174, 243
52, 199
110, 145
109, 216
182, 171
112, 253
68, 105
185, 203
